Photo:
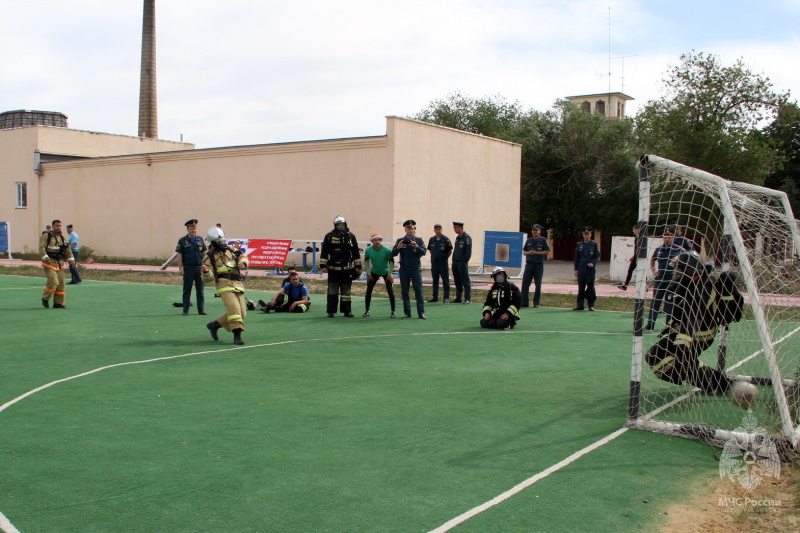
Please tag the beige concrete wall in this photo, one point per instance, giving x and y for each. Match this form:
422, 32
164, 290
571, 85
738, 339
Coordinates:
443, 175
17, 147
135, 205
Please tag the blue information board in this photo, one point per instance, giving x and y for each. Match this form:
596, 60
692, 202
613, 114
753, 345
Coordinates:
503, 248
4, 238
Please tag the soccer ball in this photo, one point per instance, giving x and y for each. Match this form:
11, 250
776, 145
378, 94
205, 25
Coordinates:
744, 394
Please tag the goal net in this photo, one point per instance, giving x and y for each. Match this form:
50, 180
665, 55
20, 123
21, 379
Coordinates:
746, 236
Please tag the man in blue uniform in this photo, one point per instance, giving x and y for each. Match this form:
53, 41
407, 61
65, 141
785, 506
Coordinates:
410, 249
535, 250
462, 252
663, 267
587, 255
191, 250
440, 248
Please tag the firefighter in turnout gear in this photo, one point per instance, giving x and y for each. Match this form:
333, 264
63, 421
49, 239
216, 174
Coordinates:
55, 254
224, 266
501, 309
700, 304
340, 260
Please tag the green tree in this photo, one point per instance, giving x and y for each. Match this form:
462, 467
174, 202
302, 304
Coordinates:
577, 168
709, 118
784, 135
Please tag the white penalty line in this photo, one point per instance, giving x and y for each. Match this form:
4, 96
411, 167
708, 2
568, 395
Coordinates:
447, 526
6, 526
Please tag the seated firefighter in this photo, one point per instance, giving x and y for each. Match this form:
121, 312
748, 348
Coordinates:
291, 298
501, 309
700, 305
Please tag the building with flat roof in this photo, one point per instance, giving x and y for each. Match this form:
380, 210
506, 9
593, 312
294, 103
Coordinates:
128, 197
610, 105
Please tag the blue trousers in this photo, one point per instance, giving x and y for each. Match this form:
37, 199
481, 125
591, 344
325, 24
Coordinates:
461, 280
413, 277
586, 287
440, 270
191, 275
660, 287
535, 272
73, 269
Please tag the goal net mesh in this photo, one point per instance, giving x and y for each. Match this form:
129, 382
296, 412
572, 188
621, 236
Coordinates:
749, 231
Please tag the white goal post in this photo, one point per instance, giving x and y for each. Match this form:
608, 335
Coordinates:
748, 233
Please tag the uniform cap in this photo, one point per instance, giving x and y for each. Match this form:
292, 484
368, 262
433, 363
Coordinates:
375, 236
536, 226
69, 226
587, 228
437, 226
458, 223
410, 223
669, 231
192, 222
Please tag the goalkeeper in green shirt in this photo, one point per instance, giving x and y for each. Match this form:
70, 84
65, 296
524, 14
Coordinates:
381, 264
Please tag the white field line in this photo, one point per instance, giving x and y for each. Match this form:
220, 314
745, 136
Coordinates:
8, 527
447, 526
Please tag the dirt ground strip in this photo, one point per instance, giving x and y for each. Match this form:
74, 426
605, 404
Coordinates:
724, 506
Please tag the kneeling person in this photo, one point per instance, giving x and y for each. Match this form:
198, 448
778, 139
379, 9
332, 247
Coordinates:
501, 309
291, 298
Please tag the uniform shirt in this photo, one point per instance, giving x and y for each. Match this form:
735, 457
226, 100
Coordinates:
663, 256
191, 250
536, 244
409, 256
585, 253
440, 249
295, 293
684, 243
462, 249
379, 260
73, 237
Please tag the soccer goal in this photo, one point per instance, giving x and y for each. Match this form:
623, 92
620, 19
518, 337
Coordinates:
746, 234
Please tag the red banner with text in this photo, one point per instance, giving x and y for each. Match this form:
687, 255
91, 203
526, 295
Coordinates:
263, 252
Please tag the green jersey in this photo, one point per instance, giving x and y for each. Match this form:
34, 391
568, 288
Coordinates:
380, 260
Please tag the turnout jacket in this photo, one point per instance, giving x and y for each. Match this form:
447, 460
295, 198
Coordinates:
224, 268
54, 249
339, 251
694, 312
502, 298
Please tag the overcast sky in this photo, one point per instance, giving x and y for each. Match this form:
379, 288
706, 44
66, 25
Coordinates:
239, 72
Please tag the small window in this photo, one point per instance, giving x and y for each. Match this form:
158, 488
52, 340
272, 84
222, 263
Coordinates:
601, 107
22, 194
586, 107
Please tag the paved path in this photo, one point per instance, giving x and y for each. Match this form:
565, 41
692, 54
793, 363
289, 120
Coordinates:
558, 276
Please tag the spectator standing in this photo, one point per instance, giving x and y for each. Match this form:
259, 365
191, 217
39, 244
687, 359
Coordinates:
410, 249
74, 242
632, 266
587, 254
462, 252
440, 248
535, 251
663, 267
380, 263
191, 250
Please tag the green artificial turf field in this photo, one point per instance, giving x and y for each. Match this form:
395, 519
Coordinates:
118, 414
